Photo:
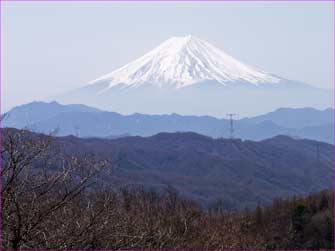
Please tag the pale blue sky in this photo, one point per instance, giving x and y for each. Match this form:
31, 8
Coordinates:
52, 47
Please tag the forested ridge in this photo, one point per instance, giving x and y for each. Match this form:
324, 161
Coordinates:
60, 208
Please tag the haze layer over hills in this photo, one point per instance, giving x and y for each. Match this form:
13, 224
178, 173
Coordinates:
85, 121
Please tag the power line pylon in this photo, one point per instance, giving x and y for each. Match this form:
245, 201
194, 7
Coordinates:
231, 123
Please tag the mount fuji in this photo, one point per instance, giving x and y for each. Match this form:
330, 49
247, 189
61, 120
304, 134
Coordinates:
189, 76
185, 61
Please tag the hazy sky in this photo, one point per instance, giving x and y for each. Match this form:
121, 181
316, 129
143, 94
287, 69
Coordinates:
52, 47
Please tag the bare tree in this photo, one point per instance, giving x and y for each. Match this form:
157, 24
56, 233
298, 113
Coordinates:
37, 186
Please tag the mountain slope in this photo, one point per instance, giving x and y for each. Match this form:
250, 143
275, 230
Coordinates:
183, 61
240, 173
189, 76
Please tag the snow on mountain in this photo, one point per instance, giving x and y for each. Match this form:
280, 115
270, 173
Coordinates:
184, 61
189, 76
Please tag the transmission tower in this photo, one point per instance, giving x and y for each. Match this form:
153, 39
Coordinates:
231, 123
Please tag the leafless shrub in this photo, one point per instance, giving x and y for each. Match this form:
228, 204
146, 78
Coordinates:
34, 191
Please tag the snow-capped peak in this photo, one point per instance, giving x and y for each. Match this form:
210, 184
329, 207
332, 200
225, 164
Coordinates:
183, 61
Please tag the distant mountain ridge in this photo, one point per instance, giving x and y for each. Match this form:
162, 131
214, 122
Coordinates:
294, 118
85, 121
30, 114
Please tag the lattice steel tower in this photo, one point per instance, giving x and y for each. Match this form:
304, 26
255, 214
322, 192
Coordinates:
231, 124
